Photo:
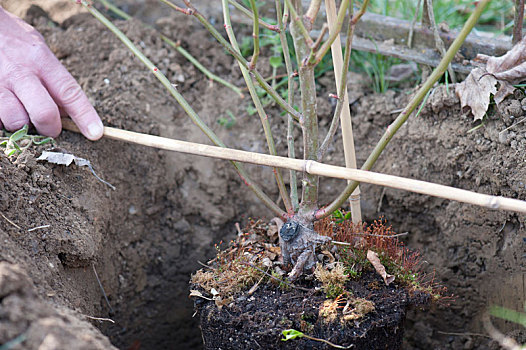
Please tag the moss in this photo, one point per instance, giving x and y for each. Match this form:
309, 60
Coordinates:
333, 281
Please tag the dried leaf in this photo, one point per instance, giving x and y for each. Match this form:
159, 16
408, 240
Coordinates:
373, 258
196, 293
475, 91
509, 67
507, 70
505, 89
66, 159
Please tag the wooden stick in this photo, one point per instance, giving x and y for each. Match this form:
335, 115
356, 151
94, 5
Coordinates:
314, 168
345, 116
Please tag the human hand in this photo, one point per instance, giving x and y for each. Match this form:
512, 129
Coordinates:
34, 86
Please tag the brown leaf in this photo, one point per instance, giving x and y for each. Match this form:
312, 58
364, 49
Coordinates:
196, 293
373, 258
509, 62
505, 89
475, 91
507, 70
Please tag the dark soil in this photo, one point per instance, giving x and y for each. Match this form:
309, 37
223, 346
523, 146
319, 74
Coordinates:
145, 238
256, 321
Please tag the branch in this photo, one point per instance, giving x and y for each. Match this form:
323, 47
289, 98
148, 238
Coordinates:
255, 35
177, 47
260, 79
309, 124
184, 104
343, 82
404, 115
297, 20
317, 56
257, 103
517, 21
282, 21
250, 15
341, 68
312, 11
439, 44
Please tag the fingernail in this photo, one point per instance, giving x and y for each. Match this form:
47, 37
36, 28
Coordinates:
95, 130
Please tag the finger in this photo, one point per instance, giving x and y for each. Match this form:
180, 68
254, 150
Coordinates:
42, 110
12, 112
70, 97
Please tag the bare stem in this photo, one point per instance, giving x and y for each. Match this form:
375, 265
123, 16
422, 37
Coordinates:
282, 21
296, 19
255, 35
249, 14
439, 44
259, 78
312, 11
187, 11
413, 23
259, 107
317, 56
404, 115
341, 67
184, 104
517, 21
343, 82
179, 49
318, 41
309, 124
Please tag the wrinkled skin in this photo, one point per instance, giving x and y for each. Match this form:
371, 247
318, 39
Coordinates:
299, 247
35, 87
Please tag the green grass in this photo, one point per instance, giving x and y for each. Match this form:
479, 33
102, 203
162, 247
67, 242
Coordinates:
495, 18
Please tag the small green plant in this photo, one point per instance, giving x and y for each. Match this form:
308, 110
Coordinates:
229, 121
16, 142
376, 66
291, 334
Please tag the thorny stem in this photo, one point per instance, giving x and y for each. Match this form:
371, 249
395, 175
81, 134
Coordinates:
255, 35
249, 14
259, 107
317, 56
179, 48
260, 79
184, 104
296, 19
404, 115
312, 11
309, 125
282, 21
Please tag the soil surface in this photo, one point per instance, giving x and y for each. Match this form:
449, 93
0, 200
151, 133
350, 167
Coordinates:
145, 238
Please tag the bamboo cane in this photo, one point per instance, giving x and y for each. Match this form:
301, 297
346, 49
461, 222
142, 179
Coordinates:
345, 116
314, 168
